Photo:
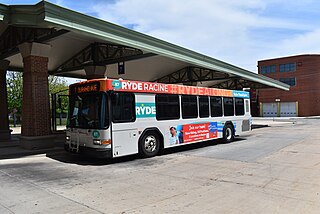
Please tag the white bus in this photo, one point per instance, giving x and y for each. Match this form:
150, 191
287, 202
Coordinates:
111, 118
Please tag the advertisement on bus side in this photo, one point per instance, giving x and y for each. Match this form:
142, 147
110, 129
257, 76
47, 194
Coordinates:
192, 132
160, 88
145, 110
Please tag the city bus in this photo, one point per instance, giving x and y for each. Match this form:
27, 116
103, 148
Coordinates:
111, 118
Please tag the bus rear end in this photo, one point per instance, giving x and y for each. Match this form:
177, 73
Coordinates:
88, 129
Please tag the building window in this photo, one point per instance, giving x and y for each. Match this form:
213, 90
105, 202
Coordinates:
189, 106
289, 67
123, 107
290, 81
267, 69
167, 107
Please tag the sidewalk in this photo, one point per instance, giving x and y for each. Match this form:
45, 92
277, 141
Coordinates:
15, 151
273, 121
17, 130
11, 148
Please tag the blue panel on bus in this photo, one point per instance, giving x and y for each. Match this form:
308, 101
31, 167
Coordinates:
145, 110
241, 94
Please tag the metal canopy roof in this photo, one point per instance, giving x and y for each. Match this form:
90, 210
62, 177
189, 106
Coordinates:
78, 40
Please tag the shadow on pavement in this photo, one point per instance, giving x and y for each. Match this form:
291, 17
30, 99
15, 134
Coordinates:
79, 159
258, 126
66, 157
12, 150
198, 146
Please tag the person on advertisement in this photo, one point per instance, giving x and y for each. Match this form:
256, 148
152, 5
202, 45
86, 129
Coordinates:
180, 136
173, 139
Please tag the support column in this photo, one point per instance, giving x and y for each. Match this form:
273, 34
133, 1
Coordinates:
35, 129
5, 132
94, 71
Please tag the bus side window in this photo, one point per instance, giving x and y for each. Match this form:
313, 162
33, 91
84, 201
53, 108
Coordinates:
167, 107
123, 107
216, 106
203, 106
239, 102
247, 106
189, 106
228, 106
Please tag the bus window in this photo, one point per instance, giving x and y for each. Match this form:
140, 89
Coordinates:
239, 103
189, 106
203, 106
167, 107
123, 107
247, 106
228, 106
216, 106
88, 111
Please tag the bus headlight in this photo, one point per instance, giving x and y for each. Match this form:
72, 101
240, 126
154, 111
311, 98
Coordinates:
96, 142
67, 138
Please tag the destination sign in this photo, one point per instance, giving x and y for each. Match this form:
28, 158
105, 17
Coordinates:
85, 88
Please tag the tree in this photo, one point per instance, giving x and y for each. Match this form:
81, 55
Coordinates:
59, 86
15, 85
14, 90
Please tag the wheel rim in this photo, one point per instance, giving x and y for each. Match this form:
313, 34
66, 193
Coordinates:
150, 143
228, 133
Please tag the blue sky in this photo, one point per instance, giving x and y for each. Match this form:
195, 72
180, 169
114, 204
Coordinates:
239, 32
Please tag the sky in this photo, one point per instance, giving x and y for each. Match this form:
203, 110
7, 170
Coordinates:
239, 32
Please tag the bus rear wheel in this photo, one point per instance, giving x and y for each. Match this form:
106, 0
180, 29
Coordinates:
228, 133
149, 144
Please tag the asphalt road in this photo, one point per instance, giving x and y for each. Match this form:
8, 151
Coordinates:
271, 170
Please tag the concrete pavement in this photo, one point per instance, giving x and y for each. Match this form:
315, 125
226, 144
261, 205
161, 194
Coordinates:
271, 170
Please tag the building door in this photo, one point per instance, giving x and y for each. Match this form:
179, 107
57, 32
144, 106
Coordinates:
270, 109
288, 109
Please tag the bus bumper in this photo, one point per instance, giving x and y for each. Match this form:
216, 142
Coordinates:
91, 152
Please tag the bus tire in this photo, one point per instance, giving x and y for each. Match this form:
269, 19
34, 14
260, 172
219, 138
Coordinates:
228, 133
149, 144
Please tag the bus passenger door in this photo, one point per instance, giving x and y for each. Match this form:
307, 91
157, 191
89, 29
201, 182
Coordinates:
124, 134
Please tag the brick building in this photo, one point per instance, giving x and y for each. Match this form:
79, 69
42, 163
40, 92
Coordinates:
302, 73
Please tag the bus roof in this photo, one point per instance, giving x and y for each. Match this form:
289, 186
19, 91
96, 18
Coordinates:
151, 87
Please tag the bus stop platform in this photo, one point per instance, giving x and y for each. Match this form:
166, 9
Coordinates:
12, 148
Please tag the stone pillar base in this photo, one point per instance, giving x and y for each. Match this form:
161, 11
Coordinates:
5, 135
39, 142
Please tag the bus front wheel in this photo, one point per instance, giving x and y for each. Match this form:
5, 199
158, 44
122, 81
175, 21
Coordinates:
149, 144
228, 133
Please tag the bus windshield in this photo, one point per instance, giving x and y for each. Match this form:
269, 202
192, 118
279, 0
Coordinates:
88, 111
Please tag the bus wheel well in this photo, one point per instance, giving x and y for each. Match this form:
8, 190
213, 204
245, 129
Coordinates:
228, 132
155, 130
230, 123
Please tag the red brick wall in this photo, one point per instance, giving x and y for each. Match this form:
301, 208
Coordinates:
307, 89
35, 109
